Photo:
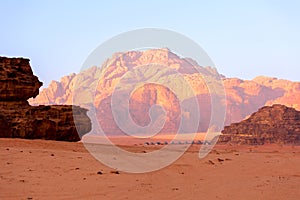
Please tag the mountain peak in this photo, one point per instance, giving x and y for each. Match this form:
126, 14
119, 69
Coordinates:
243, 97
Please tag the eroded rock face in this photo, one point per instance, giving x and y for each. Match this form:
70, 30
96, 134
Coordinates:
17, 82
20, 120
270, 124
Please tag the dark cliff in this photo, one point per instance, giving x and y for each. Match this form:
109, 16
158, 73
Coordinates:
270, 124
20, 120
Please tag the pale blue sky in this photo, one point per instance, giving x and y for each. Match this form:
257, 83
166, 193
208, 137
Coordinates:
244, 38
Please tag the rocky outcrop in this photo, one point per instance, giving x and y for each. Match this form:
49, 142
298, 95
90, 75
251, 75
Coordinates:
17, 82
20, 120
270, 124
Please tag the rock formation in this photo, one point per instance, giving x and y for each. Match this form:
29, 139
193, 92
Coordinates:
20, 120
140, 104
270, 124
137, 65
243, 96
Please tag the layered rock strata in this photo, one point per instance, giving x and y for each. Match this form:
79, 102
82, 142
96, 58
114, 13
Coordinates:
20, 120
270, 124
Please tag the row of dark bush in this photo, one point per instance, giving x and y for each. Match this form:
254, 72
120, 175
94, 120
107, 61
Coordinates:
176, 142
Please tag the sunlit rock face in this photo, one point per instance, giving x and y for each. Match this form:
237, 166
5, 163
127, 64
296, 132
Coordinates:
243, 97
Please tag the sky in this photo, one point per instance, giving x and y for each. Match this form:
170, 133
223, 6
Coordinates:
244, 39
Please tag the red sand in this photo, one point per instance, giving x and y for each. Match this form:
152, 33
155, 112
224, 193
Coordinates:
37, 169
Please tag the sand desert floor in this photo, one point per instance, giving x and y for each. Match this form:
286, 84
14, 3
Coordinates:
37, 169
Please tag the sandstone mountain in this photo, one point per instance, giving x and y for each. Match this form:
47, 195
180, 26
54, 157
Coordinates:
20, 120
168, 80
243, 97
270, 124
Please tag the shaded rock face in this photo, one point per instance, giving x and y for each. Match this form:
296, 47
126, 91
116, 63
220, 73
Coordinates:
270, 124
17, 81
20, 120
